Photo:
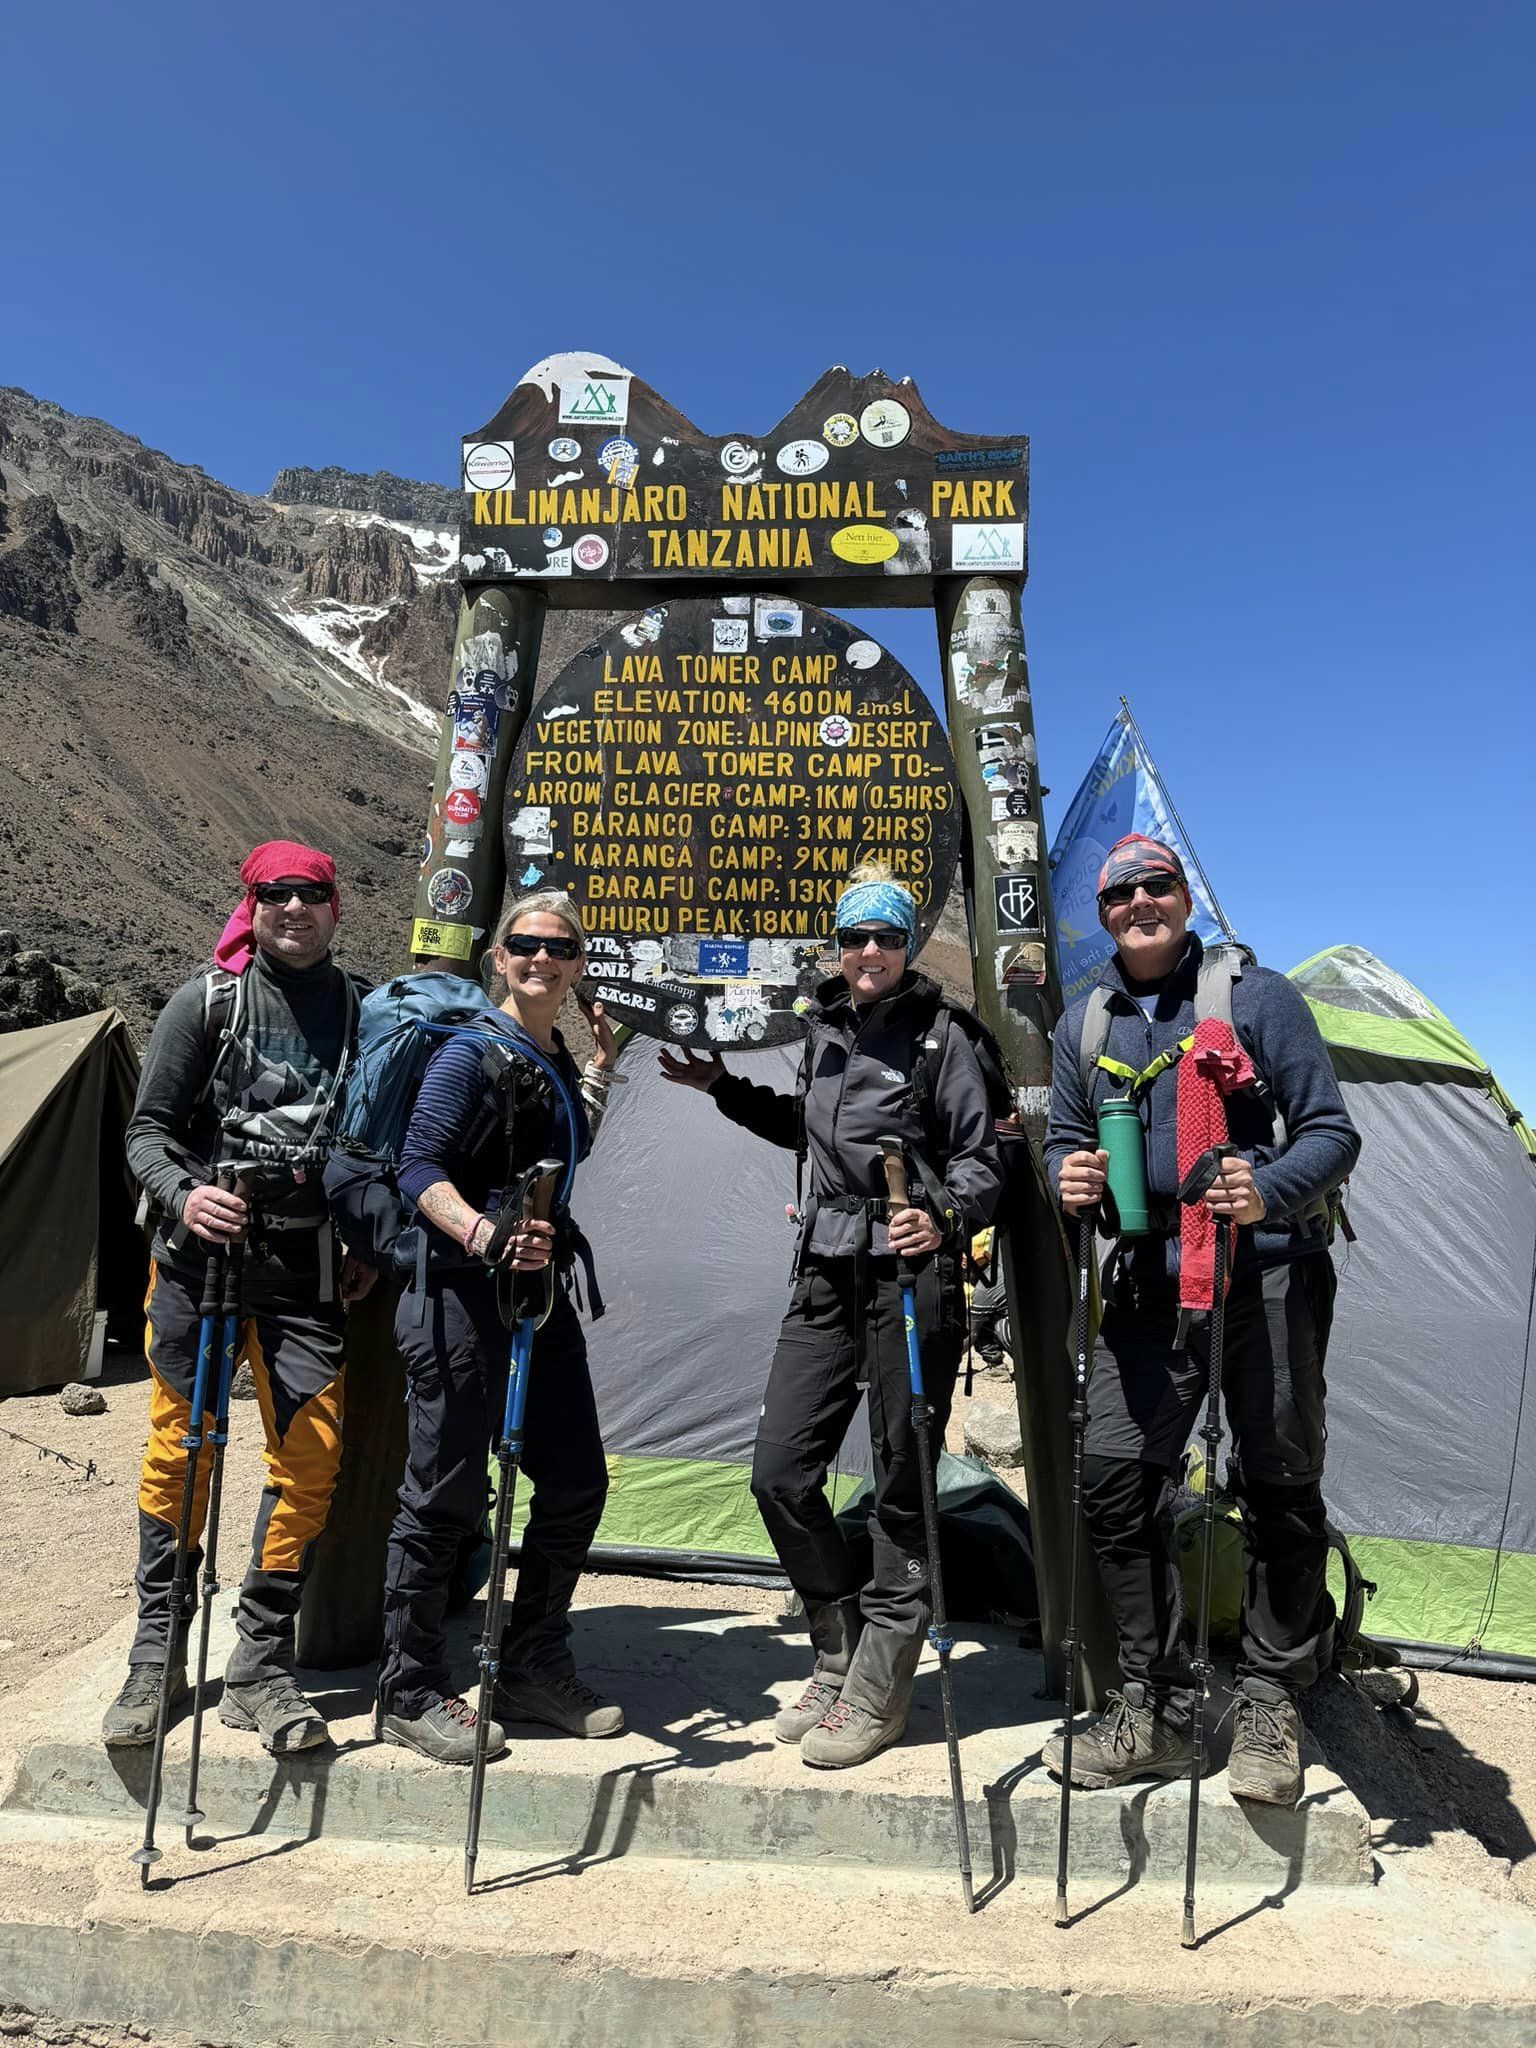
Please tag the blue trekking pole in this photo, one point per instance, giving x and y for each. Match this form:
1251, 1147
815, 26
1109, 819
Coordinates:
922, 1414
532, 1199
192, 1443
218, 1438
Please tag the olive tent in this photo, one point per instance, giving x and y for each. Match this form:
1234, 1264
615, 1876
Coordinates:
1431, 1421
68, 1242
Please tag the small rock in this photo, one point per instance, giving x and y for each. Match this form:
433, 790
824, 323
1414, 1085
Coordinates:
992, 1432
243, 1386
80, 1399
7, 1642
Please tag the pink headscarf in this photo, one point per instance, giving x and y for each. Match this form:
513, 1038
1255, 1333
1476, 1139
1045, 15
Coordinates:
275, 860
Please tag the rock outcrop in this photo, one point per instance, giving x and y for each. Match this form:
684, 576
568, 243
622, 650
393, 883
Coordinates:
390, 497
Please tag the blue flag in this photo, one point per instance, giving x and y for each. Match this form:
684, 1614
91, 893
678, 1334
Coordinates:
1121, 793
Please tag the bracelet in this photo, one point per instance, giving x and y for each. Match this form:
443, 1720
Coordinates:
468, 1239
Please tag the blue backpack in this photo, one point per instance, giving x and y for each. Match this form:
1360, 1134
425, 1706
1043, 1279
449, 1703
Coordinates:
399, 1027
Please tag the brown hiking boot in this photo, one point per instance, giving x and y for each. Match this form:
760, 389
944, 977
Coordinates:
1132, 1738
1265, 1764
273, 1708
799, 1718
560, 1700
129, 1723
849, 1734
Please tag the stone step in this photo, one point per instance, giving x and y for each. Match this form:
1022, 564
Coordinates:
255, 1939
697, 1776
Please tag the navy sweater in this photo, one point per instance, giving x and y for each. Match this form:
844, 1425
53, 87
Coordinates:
1279, 1033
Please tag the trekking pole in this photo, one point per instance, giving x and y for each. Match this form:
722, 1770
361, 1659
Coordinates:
192, 1443
1072, 1646
218, 1438
1201, 1176
938, 1632
533, 1199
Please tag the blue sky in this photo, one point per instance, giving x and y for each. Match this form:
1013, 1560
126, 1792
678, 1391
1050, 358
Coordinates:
1257, 283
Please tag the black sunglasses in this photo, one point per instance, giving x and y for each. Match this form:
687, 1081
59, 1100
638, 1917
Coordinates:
853, 940
1157, 886
529, 945
275, 894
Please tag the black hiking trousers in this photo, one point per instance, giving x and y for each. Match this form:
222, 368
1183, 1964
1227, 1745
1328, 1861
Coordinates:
830, 1342
1144, 1398
456, 1360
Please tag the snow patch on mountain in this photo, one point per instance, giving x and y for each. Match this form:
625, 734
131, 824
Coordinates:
334, 631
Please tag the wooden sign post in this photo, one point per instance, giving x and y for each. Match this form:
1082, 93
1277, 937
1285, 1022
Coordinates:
705, 774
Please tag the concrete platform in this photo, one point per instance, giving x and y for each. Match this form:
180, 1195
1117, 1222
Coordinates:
698, 1776
693, 1885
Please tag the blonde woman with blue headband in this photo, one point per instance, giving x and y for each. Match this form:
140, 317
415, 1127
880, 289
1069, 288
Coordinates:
874, 1023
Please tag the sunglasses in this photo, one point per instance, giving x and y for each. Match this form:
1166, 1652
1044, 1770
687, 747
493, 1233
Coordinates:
1156, 886
529, 945
275, 894
853, 940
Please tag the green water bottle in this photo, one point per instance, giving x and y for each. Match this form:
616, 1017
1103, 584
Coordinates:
1121, 1135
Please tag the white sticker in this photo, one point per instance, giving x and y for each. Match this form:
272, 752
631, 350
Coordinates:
987, 547
488, 465
646, 630
469, 771
736, 458
558, 711
595, 398
862, 654
835, 730
559, 563
802, 458
1016, 843
773, 619
738, 607
530, 828
590, 552
564, 449
886, 423
566, 476
730, 636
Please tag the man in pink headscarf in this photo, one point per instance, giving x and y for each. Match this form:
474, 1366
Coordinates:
243, 1067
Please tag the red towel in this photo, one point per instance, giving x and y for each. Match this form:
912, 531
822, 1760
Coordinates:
275, 860
1214, 1067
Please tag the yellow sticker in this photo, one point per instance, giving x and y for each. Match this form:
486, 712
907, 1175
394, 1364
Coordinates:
443, 941
842, 429
864, 543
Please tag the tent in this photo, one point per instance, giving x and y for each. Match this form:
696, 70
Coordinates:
68, 1242
686, 1213
1431, 1418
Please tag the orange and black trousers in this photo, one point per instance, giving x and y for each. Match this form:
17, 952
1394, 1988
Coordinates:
292, 1342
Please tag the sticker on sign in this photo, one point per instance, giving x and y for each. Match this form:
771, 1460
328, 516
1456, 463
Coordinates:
987, 546
594, 399
488, 465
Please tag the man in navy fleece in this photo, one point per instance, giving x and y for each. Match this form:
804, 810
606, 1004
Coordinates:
1144, 1393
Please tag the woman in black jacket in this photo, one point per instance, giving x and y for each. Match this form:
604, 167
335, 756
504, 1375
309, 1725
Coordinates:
882, 1057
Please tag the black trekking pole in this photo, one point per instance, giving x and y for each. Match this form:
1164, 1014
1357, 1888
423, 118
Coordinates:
533, 1199
938, 1632
218, 1438
192, 1443
1071, 1644
1202, 1175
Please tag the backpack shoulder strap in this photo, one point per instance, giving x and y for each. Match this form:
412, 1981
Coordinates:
224, 1006
1219, 967
802, 1089
1090, 1047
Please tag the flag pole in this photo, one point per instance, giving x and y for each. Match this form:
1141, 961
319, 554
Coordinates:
1173, 812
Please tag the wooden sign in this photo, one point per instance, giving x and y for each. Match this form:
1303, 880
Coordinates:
702, 779
590, 484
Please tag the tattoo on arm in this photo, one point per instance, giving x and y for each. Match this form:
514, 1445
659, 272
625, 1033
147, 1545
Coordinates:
443, 1205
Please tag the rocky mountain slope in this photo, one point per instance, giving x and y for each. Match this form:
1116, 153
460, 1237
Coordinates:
186, 669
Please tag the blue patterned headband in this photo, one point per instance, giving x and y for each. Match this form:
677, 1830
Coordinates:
879, 902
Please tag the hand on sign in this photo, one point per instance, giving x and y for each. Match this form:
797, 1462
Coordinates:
605, 1044
702, 1072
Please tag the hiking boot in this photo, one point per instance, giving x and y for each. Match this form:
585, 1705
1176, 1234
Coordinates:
849, 1734
277, 1711
560, 1701
1132, 1738
445, 1732
129, 1723
1265, 1763
792, 1722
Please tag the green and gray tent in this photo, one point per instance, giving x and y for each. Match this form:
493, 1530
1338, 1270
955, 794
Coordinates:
1431, 1420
